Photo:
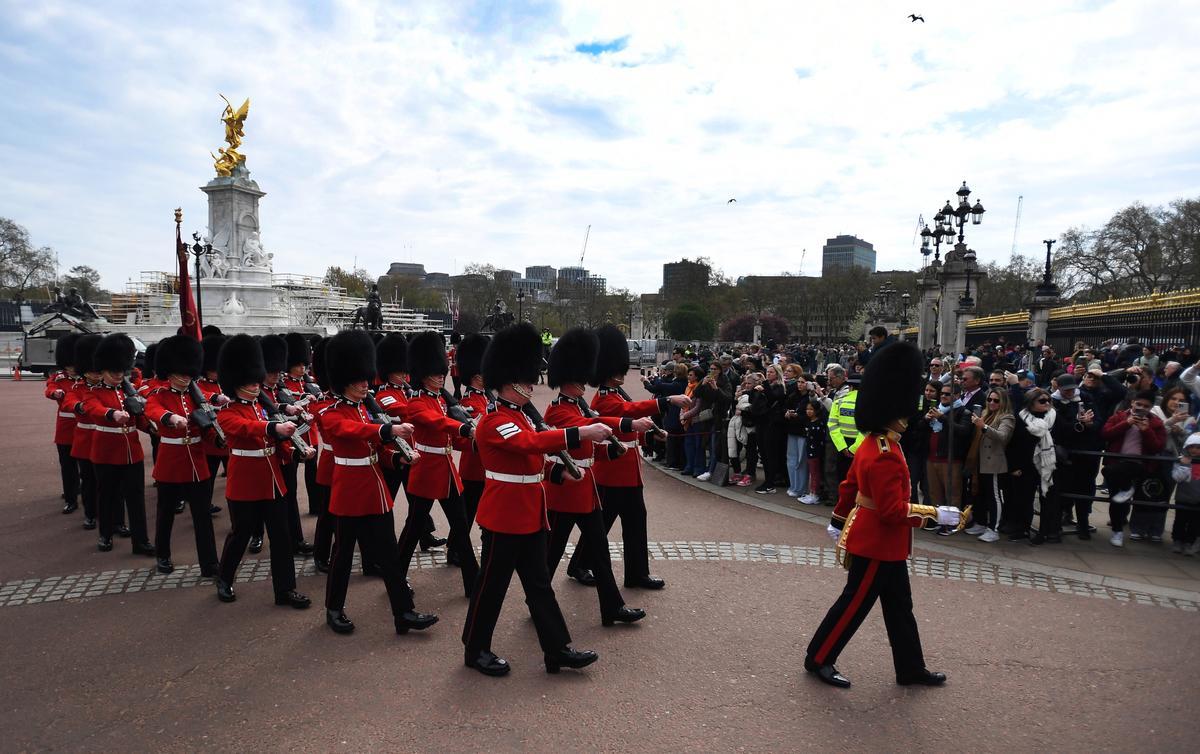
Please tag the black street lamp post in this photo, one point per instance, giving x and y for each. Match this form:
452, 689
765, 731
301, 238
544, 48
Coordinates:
1047, 289
198, 250
520, 306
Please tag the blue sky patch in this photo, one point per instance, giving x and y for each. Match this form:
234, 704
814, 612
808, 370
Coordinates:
598, 48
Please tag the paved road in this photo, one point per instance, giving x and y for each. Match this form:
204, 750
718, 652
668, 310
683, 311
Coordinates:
144, 664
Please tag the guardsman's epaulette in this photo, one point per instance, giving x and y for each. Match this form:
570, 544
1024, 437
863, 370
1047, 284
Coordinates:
884, 445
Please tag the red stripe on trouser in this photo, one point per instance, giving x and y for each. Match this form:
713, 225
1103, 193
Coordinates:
864, 586
477, 593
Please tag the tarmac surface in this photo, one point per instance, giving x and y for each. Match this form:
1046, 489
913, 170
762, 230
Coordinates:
103, 654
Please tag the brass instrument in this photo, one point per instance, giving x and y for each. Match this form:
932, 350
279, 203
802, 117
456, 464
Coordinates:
379, 416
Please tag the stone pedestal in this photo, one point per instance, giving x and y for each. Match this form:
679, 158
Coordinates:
963, 315
1044, 299
928, 289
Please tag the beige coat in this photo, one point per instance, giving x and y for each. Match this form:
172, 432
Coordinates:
992, 444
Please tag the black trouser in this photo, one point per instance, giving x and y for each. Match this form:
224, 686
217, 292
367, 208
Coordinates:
117, 482
768, 438
502, 554
675, 451
1017, 516
395, 479
989, 506
751, 453
310, 484
918, 477
472, 492
842, 468
88, 490
866, 581
155, 440
1121, 475
459, 540
247, 517
214, 465
592, 531
376, 539
1187, 523
627, 504
197, 496
1076, 478
326, 523
69, 469
290, 472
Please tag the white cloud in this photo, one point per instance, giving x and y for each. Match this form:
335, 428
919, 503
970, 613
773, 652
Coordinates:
475, 132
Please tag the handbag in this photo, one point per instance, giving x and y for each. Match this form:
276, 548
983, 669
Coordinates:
705, 415
720, 475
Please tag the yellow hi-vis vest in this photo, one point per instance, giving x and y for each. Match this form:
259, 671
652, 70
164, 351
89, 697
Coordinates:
842, 430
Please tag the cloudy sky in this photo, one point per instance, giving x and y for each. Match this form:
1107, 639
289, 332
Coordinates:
448, 133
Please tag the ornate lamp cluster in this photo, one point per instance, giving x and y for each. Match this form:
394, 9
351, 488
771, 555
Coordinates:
949, 221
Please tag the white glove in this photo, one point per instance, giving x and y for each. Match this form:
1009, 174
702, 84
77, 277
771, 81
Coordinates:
948, 515
834, 533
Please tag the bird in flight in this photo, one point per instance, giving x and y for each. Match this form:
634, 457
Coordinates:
731, 201
915, 18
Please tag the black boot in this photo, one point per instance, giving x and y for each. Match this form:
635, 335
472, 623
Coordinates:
165, 565
337, 620
571, 658
624, 615
292, 599
488, 664
225, 591
411, 619
256, 545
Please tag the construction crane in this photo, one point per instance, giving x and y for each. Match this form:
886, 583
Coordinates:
1017, 224
803, 252
585, 240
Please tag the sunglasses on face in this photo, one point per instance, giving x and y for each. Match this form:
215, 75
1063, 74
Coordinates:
993, 400
1042, 400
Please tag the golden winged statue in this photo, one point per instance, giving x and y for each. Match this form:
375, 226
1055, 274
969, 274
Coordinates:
229, 157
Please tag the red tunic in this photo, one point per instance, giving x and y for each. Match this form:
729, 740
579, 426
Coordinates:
358, 488
324, 449
580, 496
393, 399
114, 444
873, 501
81, 439
255, 476
180, 452
508, 444
210, 389
64, 421
625, 471
435, 434
469, 464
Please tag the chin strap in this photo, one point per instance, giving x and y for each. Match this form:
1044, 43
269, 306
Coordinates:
526, 394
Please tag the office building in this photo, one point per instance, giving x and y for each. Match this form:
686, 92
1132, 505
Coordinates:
843, 252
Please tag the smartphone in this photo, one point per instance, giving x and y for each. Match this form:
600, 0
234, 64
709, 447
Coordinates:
1140, 413
1184, 407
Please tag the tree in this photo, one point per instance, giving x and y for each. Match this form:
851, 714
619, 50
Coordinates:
741, 329
22, 266
355, 283
86, 280
408, 291
1007, 288
689, 322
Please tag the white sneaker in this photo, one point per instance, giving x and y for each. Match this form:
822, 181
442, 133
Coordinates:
1193, 548
809, 499
704, 477
989, 536
1122, 497
976, 529
1117, 539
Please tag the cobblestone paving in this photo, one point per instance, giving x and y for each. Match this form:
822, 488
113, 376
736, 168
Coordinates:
81, 586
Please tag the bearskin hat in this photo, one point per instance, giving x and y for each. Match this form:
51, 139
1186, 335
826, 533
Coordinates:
391, 355
891, 387
469, 356
208, 330
85, 352
573, 357
427, 356
274, 353
514, 355
212, 348
298, 349
145, 362
349, 357
612, 358
115, 353
318, 363
64, 350
178, 354
240, 363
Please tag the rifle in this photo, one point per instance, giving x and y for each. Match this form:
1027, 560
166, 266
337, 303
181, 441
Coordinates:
379, 416
456, 411
205, 415
312, 388
275, 414
615, 445
135, 404
655, 429
563, 456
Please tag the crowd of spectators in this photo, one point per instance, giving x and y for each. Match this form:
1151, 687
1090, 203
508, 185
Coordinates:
1017, 433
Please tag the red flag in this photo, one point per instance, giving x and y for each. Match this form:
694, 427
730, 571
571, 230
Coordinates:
187, 305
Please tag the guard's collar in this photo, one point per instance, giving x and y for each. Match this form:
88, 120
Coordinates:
507, 404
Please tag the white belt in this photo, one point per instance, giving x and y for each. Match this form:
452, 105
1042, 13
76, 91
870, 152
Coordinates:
260, 453
582, 463
115, 430
326, 446
432, 449
513, 478
356, 461
629, 443
81, 425
67, 415
179, 440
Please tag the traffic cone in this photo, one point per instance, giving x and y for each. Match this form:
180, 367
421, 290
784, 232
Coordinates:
16, 373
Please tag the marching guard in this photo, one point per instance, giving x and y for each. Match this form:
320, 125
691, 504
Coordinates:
180, 468
60, 385
81, 438
475, 398
255, 489
116, 450
360, 502
275, 357
435, 477
320, 492
572, 363
214, 455
619, 480
299, 361
873, 525
512, 511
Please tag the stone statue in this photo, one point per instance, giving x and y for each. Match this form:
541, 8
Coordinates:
76, 306
371, 315
253, 254
59, 304
234, 119
500, 317
232, 306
